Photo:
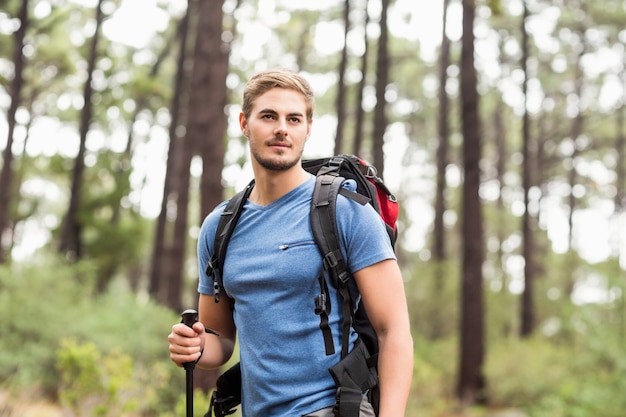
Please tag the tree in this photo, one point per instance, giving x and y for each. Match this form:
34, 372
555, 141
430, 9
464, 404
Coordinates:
341, 83
382, 79
157, 282
205, 133
209, 127
206, 126
528, 247
70, 241
360, 112
443, 133
471, 378
6, 175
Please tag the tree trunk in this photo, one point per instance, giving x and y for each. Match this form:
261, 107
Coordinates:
357, 144
341, 83
528, 303
71, 240
471, 378
207, 126
382, 79
175, 250
6, 176
443, 130
170, 186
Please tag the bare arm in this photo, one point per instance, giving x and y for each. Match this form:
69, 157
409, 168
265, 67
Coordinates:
188, 344
382, 293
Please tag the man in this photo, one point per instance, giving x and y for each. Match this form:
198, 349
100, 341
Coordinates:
271, 272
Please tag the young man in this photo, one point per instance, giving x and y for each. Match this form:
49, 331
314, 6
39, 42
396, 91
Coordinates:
271, 272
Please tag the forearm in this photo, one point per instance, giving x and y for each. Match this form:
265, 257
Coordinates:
219, 342
395, 367
216, 352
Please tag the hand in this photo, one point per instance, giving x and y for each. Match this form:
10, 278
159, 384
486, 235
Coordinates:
186, 343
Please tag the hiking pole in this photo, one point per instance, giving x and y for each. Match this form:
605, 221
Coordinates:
189, 317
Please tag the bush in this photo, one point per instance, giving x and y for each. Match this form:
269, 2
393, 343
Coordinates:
556, 380
54, 331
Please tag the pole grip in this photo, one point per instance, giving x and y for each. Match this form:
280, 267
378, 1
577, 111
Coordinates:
189, 317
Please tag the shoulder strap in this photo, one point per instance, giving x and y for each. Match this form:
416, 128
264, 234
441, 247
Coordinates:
326, 235
225, 227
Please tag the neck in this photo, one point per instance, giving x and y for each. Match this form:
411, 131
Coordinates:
271, 185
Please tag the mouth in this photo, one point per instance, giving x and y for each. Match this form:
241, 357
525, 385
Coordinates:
278, 144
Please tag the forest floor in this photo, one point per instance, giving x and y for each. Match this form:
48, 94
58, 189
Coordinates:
29, 407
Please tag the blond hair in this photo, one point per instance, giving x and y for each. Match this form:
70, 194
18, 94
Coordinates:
263, 81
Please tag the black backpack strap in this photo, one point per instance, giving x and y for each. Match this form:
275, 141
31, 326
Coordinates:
326, 235
322, 309
225, 227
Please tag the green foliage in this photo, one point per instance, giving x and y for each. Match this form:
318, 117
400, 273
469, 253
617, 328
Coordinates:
429, 286
434, 374
200, 405
574, 366
81, 374
106, 353
92, 383
551, 379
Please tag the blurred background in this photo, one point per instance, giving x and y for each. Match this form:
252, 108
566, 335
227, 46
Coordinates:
499, 125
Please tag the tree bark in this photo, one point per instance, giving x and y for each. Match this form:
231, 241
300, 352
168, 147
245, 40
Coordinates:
382, 79
357, 144
443, 131
528, 302
208, 122
471, 378
207, 125
170, 184
340, 102
6, 176
71, 240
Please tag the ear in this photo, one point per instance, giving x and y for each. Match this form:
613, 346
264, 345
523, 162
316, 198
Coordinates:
243, 125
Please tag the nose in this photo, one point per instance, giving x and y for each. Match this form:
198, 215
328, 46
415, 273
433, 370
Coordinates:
281, 129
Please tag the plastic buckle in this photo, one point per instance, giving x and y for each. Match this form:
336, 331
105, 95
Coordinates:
343, 278
330, 261
320, 304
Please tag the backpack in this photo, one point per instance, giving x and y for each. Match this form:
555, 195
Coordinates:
357, 372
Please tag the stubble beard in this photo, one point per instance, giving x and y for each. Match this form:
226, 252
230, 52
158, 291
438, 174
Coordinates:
276, 163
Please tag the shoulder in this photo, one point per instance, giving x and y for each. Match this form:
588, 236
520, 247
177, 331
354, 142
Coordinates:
351, 210
214, 216
209, 225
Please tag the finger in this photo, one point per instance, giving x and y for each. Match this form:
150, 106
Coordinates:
183, 330
198, 327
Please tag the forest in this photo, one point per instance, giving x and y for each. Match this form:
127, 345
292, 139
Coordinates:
500, 126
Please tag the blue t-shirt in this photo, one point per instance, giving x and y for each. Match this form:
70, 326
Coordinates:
271, 270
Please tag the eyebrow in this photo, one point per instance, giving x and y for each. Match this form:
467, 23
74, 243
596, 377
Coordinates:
274, 112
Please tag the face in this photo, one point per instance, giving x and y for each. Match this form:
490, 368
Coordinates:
277, 129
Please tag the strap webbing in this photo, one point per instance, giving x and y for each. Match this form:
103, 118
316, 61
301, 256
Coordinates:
225, 227
322, 308
324, 226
